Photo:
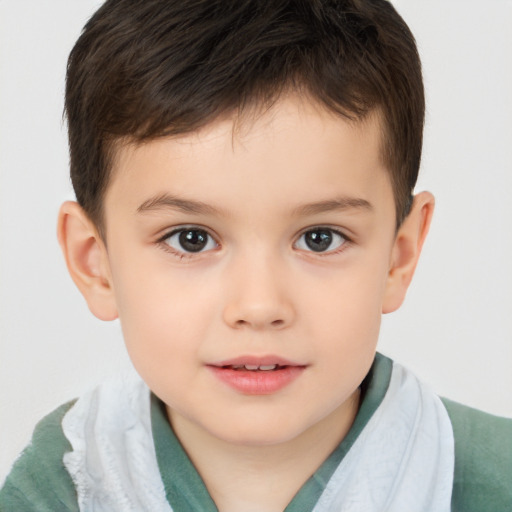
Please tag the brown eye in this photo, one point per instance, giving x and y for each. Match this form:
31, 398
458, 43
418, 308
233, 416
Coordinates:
190, 240
320, 240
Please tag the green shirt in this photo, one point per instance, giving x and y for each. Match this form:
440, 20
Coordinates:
482, 478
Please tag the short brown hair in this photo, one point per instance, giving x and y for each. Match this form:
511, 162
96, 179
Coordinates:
146, 69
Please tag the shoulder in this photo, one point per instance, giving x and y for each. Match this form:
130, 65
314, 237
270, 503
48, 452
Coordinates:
38, 479
483, 460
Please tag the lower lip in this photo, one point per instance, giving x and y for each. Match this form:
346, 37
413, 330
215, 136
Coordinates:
258, 382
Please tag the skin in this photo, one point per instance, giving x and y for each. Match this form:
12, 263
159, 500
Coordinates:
256, 288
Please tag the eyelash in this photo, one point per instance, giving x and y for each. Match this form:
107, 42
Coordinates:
347, 241
163, 241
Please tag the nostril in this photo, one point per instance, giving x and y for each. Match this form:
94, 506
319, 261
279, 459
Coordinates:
274, 323
258, 315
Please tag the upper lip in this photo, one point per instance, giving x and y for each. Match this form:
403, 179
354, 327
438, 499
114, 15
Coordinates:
254, 360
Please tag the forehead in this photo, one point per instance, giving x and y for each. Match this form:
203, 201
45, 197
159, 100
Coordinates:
295, 150
257, 118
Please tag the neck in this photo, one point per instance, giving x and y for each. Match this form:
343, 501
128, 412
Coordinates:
262, 478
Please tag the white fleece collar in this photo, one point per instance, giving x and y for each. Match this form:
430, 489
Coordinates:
401, 462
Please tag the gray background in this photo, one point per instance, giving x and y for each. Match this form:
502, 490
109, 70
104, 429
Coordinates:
455, 329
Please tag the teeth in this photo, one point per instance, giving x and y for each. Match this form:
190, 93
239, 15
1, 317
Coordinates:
263, 367
255, 367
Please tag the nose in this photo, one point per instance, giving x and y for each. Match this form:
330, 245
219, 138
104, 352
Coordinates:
258, 296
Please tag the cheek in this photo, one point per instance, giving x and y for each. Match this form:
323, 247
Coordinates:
163, 314
350, 297
347, 316
347, 330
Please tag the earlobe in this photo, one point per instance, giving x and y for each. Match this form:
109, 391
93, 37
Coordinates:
406, 250
87, 260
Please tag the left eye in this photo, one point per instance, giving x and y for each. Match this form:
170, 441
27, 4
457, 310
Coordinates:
190, 240
320, 240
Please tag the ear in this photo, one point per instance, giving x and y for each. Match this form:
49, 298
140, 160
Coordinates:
87, 260
406, 250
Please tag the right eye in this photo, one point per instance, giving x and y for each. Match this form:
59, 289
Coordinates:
190, 240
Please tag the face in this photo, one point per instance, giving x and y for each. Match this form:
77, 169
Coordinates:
249, 268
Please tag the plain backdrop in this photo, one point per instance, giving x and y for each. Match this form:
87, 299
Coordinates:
455, 329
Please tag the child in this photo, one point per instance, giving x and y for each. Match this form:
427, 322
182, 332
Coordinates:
244, 173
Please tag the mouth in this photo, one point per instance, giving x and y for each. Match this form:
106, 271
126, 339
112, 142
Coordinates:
254, 367
257, 364
257, 375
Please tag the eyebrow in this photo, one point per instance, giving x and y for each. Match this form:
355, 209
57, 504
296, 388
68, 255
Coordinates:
340, 203
166, 201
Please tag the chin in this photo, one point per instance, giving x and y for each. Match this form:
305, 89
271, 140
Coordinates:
261, 432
